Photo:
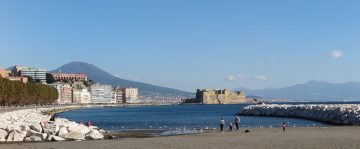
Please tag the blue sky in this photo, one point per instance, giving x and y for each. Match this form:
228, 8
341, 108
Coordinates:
189, 44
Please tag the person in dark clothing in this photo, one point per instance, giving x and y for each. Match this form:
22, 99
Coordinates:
237, 122
222, 123
283, 126
230, 126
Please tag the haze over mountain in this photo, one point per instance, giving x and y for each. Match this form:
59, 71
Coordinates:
311, 91
98, 75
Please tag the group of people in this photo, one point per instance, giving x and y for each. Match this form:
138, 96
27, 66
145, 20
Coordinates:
237, 122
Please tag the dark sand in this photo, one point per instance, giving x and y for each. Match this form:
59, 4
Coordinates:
258, 138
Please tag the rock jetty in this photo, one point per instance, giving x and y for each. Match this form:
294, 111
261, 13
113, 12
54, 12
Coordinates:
339, 114
35, 125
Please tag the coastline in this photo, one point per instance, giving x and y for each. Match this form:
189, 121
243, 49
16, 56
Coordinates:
271, 138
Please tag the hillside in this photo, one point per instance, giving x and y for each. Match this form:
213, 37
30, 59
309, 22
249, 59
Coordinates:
311, 91
98, 75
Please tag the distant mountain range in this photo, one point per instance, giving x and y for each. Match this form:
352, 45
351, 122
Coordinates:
311, 91
97, 75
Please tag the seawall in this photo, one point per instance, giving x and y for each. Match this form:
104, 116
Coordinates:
339, 114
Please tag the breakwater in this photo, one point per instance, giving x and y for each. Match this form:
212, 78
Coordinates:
339, 114
39, 125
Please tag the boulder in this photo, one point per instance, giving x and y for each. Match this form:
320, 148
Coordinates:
16, 136
62, 131
79, 128
35, 133
94, 135
37, 127
74, 135
3, 134
32, 138
50, 128
56, 138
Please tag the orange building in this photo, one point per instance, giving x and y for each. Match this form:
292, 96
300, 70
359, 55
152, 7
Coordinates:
4, 73
69, 76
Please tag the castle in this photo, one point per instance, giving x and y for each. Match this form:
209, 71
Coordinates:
225, 96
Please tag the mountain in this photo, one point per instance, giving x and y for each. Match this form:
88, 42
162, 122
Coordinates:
97, 75
311, 91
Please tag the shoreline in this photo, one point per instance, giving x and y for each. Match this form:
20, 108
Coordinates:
272, 138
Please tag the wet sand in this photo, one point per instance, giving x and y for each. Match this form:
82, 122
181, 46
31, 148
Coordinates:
271, 138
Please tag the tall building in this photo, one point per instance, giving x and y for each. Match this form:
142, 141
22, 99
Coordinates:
131, 95
69, 76
81, 96
102, 94
34, 73
66, 94
120, 95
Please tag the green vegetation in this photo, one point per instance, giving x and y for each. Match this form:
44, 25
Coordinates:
49, 78
18, 93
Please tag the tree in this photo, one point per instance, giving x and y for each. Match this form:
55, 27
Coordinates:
49, 78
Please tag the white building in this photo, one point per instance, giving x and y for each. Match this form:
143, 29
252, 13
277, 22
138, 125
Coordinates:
102, 94
58, 87
34, 73
81, 96
131, 95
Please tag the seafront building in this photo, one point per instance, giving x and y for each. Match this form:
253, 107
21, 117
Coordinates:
82, 96
69, 76
34, 73
131, 95
120, 97
102, 94
66, 94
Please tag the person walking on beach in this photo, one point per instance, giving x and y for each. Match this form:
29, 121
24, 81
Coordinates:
237, 122
222, 123
230, 126
283, 126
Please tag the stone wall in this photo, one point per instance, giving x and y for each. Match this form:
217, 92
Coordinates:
220, 96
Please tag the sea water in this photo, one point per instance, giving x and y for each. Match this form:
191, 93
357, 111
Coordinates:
176, 118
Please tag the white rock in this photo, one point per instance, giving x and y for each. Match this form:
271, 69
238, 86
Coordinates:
56, 138
36, 126
94, 135
79, 128
74, 135
62, 131
15, 136
50, 128
3, 134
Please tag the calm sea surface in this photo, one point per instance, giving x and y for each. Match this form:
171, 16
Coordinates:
174, 117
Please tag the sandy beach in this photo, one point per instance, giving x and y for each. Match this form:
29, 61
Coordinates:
271, 138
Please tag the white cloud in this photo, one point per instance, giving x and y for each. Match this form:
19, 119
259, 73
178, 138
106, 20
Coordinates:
336, 54
242, 77
231, 78
260, 78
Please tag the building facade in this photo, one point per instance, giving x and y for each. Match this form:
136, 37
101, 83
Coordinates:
131, 95
220, 96
102, 94
34, 73
4, 73
69, 76
82, 96
66, 94
58, 87
120, 97
17, 78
